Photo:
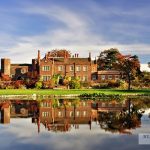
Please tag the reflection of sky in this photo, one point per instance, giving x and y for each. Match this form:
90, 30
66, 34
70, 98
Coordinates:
21, 134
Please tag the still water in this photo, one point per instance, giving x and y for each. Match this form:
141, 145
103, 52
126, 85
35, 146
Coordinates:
65, 124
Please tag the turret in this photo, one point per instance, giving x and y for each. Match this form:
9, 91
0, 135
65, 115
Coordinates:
5, 66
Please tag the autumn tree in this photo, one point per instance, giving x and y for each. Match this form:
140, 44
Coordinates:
130, 66
107, 59
59, 53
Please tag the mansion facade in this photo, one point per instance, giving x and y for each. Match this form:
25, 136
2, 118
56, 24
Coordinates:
45, 68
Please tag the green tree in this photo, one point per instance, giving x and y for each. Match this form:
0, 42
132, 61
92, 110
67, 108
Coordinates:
75, 83
107, 59
56, 78
38, 85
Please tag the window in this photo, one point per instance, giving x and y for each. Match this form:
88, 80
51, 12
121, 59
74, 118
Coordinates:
85, 68
84, 113
84, 103
71, 68
94, 77
77, 113
45, 104
85, 78
45, 114
71, 113
12, 75
60, 68
103, 104
46, 78
59, 114
93, 69
109, 77
78, 68
103, 77
46, 68
23, 70
116, 77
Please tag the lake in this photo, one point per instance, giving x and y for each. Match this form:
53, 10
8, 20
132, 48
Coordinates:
53, 124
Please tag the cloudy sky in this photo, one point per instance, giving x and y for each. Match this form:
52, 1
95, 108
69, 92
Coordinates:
77, 25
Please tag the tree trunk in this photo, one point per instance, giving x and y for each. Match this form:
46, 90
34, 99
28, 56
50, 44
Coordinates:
129, 82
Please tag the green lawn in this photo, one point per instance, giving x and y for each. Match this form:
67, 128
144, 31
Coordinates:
65, 92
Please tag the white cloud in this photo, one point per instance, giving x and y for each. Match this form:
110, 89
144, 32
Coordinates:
73, 33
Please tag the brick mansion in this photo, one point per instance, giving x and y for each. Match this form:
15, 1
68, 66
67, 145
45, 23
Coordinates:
45, 68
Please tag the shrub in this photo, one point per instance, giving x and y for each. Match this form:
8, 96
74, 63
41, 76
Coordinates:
113, 83
48, 84
75, 84
17, 84
85, 84
38, 85
123, 85
30, 83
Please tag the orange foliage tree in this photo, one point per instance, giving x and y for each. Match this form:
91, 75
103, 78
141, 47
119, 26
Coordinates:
59, 53
130, 65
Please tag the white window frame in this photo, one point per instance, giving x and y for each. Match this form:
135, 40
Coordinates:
59, 114
103, 77
60, 68
78, 68
71, 114
23, 70
84, 113
46, 77
85, 78
45, 114
116, 77
109, 77
85, 68
77, 113
46, 68
71, 68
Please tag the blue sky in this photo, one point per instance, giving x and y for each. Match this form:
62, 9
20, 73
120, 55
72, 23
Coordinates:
77, 25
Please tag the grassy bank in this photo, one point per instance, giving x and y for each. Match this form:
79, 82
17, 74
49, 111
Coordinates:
66, 92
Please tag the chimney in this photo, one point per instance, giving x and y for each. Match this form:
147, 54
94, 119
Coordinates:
39, 56
45, 56
95, 60
89, 56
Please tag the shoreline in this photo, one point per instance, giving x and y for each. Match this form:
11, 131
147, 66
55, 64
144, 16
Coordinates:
49, 93
69, 96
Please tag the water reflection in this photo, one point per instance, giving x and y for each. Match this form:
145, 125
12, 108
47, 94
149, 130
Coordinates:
62, 115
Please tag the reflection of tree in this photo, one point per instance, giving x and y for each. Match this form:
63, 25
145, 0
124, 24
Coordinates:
120, 122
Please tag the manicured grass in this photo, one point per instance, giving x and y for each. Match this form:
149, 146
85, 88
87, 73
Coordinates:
66, 92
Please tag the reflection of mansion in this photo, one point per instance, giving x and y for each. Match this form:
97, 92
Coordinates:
56, 115
83, 68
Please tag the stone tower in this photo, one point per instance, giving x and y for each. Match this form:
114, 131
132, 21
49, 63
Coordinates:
5, 66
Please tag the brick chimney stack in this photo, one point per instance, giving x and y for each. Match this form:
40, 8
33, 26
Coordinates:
90, 56
39, 56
